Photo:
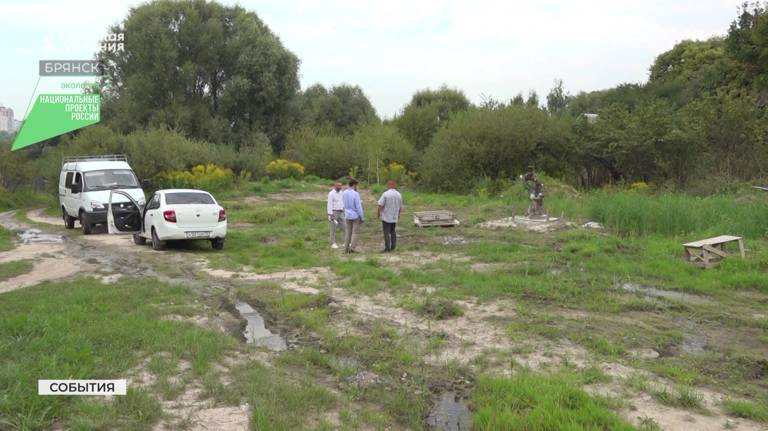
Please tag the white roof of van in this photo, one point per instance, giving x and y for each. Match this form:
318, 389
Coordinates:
95, 165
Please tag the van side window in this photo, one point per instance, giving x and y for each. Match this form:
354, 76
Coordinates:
68, 180
154, 203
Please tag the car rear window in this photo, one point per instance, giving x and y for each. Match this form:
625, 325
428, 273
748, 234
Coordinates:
188, 198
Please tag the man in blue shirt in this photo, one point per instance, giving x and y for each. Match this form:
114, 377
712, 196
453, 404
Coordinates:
353, 216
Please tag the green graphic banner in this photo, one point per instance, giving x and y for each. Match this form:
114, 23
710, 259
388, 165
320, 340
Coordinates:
55, 114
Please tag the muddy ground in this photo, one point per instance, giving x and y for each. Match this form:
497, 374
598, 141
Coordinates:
478, 340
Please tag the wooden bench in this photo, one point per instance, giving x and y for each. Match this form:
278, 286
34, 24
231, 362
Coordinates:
708, 252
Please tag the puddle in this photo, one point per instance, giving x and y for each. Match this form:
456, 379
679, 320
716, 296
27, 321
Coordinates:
30, 236
450, 413
666, 294
255, 332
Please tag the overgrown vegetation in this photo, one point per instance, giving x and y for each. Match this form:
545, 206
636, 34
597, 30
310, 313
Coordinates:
698, 124
84, 330
14, 269
531, 401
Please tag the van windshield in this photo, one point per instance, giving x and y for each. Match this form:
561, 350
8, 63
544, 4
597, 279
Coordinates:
110, 179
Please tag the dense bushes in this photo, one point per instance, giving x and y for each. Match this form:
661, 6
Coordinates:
206, 177
365, 154
281, 169
494, 143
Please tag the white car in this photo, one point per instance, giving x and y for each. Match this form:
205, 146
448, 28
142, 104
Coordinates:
173, 214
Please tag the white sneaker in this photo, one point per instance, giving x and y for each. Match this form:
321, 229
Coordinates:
334, 245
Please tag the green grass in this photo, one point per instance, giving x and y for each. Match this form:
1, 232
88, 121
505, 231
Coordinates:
22, 198
87, 330
747, 409
6, 239
631, 213
539, 402
682, 396
367, 276
13, 269
278, 401
433, 307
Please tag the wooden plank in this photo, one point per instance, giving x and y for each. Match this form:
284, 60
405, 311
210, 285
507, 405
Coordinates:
716, 251
712, 241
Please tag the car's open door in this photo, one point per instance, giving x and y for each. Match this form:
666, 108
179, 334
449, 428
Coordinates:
123, 217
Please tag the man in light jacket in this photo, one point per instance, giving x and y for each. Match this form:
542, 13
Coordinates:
353, 215
390, 208
335, 210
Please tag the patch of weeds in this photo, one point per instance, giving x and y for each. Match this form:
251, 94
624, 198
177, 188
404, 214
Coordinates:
592, 375
648, 424
368, 277
536, 401
10, 270
602, 345
6, 239
747, 410
495, 251
677, 373
274, 394
682, 396
137, 410
433, 307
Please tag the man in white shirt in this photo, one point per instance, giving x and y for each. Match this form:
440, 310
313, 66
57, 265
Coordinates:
390, 207
335, 210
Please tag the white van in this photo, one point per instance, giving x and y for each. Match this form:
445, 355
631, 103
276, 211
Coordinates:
85, 183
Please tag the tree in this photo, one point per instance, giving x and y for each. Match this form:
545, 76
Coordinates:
343, 107
210, 71
427, 112
747, 43
533, 99
382, 145
692, 70
496, 144
557, 99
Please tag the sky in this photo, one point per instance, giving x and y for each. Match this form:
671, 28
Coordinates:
393, 48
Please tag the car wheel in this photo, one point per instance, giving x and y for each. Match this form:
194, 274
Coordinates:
217, 244
69, 221
85, 224
156, 243
139, 240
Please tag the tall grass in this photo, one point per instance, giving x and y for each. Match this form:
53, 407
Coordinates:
636, 214
23, 198
539, 402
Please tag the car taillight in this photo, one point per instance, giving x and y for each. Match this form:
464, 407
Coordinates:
222, 215
169, 215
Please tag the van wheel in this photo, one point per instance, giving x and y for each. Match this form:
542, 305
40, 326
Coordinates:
139, 240
217, 244
156, 243
85, 224
69, 221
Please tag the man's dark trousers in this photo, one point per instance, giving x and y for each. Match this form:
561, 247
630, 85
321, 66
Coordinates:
390, 237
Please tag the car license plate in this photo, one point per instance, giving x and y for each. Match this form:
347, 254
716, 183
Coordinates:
198, 234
